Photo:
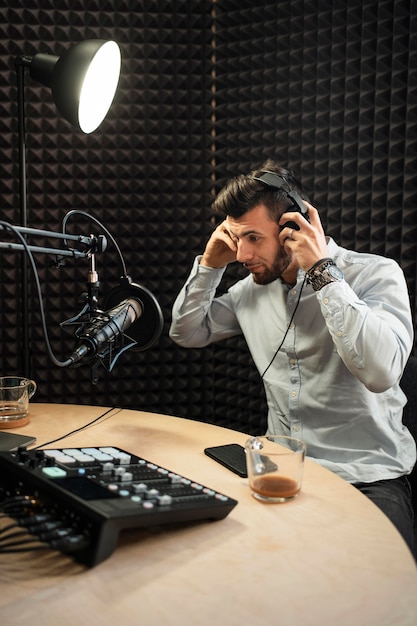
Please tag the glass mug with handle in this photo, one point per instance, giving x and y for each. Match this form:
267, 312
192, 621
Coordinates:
15, 393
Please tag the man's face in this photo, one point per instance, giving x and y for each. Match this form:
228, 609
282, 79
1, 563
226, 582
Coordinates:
258, 247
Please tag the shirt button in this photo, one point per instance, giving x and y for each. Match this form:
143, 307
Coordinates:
340, 333
293, 394
325, 300
296, 429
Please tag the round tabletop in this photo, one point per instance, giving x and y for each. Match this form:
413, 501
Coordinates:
327, 557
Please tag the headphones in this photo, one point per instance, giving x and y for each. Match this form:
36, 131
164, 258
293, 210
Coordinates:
271, 179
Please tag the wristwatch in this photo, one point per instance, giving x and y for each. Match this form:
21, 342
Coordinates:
323, 273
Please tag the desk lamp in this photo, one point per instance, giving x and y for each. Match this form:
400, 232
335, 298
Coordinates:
83, 82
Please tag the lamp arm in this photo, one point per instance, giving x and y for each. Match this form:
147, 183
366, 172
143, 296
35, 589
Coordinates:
23, 60
20, 71
63, 84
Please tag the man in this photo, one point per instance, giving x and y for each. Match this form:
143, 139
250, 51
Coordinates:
329, 330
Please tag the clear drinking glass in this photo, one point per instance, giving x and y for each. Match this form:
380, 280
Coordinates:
275, 467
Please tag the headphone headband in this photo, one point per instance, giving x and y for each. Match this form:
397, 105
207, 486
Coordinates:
274, 180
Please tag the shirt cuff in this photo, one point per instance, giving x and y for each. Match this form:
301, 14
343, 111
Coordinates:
205, 277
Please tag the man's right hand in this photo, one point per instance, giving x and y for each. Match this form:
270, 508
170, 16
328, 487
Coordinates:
220, 249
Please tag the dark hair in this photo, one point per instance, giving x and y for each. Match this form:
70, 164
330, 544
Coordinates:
242, 193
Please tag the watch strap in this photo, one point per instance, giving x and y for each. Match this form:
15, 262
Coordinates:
318, 276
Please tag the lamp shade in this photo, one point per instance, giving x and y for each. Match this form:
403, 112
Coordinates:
83, 80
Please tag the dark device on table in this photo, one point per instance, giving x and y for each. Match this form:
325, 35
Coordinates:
11, 441
230, 455
274, 180
88, 495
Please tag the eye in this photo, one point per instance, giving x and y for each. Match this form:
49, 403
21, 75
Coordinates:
253, 238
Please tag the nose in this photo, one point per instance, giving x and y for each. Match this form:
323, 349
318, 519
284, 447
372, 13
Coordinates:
244, 251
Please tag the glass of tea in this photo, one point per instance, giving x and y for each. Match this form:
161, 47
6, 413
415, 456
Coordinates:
275, 467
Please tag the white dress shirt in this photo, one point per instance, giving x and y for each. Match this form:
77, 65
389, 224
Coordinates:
335, 380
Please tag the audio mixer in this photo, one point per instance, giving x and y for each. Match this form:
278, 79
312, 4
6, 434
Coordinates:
77, 500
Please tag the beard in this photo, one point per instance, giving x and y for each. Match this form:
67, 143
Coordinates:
275, 270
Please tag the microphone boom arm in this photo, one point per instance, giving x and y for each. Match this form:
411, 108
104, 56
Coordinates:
93, 244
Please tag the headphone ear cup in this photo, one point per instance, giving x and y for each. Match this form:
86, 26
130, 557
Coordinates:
292, 225
148, 328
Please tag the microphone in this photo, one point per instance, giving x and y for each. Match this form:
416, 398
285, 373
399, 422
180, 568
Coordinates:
102, 333
148, 330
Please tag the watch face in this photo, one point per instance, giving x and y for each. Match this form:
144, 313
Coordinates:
335, 272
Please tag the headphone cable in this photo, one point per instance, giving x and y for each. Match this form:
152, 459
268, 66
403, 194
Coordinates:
288, 328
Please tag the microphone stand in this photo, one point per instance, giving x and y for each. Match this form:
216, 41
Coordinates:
92, 245
140, 339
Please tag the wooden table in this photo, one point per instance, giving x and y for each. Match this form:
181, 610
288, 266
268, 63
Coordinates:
329, 557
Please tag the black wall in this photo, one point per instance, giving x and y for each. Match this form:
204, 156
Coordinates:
207, 89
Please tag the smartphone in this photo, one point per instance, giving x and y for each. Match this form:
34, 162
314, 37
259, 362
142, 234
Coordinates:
230, 455
11, 441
